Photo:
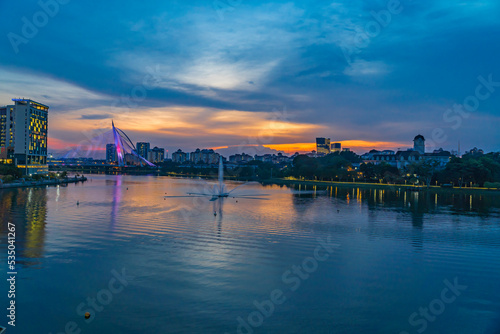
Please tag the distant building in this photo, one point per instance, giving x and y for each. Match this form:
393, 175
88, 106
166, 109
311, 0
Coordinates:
7, 134
336, 147
419, 144
7, 126
323, 146
111, 153
143, 149
273, 158
205, 156
179, 156
369, 157
74, 161
23, 135
131, 160
240, 158
475, 151
157, 155
312, 154
346, 150
402, 159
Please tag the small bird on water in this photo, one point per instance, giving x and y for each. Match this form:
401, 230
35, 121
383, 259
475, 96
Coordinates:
77, 202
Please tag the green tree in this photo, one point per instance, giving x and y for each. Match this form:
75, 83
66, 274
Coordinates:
384, 170
368, 170
425, 170
10, 170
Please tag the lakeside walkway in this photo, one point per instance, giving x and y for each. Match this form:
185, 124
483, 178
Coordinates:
40, 183
433, 188
383, 186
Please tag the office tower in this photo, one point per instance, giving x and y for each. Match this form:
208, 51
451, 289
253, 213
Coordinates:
157, 155
143, 149
23, 135
110, 153
6, 134
323, 146
179, 156
336, 147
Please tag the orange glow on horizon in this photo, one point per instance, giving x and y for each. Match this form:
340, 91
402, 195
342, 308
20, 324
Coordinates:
56, 144
212, 127
360, 146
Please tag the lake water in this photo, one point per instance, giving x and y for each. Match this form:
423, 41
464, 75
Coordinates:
335, 260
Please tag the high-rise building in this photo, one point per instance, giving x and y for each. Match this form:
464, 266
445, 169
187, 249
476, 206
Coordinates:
111, 153
205, 156
179, 156
23, 135
336, 147
143, 149
323, 146
419, 144
240, 158
6, 126
7, 134
157, 155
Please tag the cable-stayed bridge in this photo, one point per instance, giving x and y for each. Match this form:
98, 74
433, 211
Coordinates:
97, 145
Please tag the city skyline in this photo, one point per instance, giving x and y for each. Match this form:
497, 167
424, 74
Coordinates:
143, 150
200, 73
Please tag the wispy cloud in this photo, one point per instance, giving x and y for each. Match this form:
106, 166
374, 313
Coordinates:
263, 55
96, 116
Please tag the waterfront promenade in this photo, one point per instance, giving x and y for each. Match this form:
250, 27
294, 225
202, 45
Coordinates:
24, 184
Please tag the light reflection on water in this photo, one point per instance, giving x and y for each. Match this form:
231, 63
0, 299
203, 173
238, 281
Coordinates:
198, 272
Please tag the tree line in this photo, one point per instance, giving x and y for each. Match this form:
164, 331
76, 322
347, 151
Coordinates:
470, 170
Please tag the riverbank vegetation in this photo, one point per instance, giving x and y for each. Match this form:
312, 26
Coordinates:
471, 170
9, 173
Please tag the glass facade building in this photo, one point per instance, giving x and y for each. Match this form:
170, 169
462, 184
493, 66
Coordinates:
23, 135
323, 146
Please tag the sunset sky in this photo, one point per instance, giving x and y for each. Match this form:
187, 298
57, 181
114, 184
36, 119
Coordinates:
188, 74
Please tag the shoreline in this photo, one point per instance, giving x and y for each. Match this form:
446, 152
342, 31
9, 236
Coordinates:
364, 185
27, 184
436, 189
282, 181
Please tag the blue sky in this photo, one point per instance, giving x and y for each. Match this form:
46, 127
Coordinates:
213, 74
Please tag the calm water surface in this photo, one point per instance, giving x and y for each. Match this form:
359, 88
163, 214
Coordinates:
391, 258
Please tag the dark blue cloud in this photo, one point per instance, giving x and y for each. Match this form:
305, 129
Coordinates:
96, 116
262, 55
